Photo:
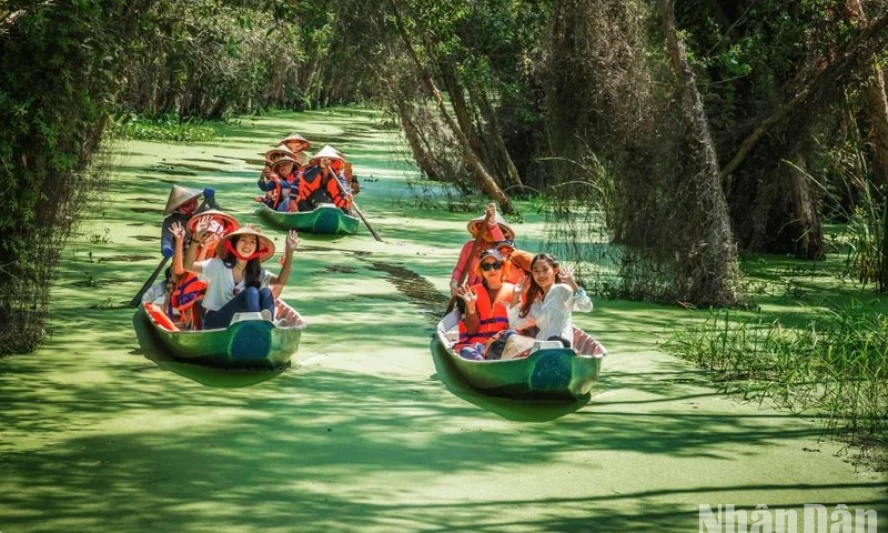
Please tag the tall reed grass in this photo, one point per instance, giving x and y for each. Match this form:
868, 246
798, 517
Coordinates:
835, 368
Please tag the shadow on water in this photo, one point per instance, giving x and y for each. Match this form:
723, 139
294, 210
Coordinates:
153, 349
420, 291
515, 410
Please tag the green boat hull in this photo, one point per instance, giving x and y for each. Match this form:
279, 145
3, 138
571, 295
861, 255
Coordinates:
327, 219
246, 344
547, 374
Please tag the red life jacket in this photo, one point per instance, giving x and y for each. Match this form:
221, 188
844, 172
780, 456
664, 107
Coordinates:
493, 316
187, 293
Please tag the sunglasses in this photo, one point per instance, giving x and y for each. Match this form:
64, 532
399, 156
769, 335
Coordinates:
496, 265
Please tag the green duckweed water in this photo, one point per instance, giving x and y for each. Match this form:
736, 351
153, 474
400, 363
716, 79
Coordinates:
371, 430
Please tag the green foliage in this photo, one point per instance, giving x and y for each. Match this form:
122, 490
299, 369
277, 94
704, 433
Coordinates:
216, 58
58, 76
834, 366
168, 129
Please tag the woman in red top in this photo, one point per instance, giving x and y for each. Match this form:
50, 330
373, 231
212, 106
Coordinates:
493, 229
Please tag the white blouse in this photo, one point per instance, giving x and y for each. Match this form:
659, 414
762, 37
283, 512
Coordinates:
221, 286
552, 314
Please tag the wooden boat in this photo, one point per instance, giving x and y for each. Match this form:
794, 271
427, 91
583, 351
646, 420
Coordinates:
547, 373
249, 343
325, 219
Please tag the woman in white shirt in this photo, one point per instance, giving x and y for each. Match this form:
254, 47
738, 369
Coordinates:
236, 281
546, 299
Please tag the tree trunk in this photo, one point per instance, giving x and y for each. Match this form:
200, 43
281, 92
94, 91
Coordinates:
874, 94
512, 178
424, 159
711, 266
458, 101
471, 158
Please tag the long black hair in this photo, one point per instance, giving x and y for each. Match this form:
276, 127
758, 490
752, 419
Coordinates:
253, 272
534, 290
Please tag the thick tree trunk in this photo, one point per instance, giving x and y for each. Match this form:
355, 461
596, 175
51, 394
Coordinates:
471, 158
712, 262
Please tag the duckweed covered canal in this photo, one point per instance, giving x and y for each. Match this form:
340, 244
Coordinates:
371, 430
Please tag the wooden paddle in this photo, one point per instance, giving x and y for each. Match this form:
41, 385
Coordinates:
354, 204
137, 299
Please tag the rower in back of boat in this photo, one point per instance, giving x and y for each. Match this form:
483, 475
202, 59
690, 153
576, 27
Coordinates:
320, 184
483, 308
237, 283
298, 145
182, 204
492, 228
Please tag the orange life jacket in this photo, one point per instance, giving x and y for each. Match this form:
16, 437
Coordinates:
493, 316
159, 317
314, 180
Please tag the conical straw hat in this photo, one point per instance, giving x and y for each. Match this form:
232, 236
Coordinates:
475, 224
295, 137
178, 197
285, 159
264, 242
277, 152
327, 152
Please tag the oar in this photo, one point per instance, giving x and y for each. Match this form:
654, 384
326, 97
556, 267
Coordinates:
354, 204
137, 299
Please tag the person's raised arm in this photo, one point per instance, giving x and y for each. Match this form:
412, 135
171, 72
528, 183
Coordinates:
581, 300
289, 248
178, 233
495, 232
470, 317
203, 224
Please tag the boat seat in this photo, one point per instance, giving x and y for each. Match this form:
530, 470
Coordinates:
243, 317
546, 345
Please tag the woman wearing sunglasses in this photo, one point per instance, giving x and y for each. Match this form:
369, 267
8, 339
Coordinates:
483, 307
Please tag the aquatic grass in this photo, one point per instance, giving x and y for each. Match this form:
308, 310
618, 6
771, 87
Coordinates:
166, 129
835, 367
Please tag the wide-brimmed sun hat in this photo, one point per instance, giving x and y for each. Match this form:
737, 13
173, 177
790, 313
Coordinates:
228, 222
475, 224
179, 196
265, 249
327, 152
278, 152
